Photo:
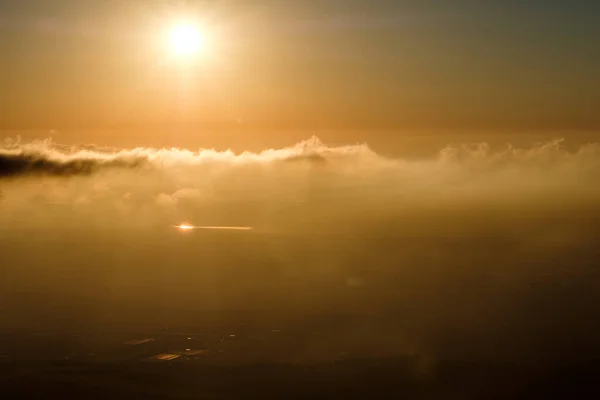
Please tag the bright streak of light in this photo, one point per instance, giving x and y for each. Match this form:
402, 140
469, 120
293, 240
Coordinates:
227, 228
185, 227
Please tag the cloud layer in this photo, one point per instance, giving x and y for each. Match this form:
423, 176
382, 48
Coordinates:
451, 253
349, 180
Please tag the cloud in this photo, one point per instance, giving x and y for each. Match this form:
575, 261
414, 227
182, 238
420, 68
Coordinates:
339, 185
43, 158
305, 187
472, 246
165, 200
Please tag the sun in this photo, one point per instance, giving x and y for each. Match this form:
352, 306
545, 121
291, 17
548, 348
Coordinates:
186, 40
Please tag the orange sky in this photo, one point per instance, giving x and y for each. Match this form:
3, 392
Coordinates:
284, 66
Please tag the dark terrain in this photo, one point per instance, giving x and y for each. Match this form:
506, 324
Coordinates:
111, 365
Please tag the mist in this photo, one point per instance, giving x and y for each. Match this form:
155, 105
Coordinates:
476, 252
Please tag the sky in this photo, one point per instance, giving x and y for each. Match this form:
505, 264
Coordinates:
313, 65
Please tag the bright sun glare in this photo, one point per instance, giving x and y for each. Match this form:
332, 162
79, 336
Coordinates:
185, 227
186, 39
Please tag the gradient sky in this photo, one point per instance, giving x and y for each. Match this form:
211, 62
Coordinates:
327, 64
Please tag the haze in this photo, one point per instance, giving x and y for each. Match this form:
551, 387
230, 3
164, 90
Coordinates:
386, 178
